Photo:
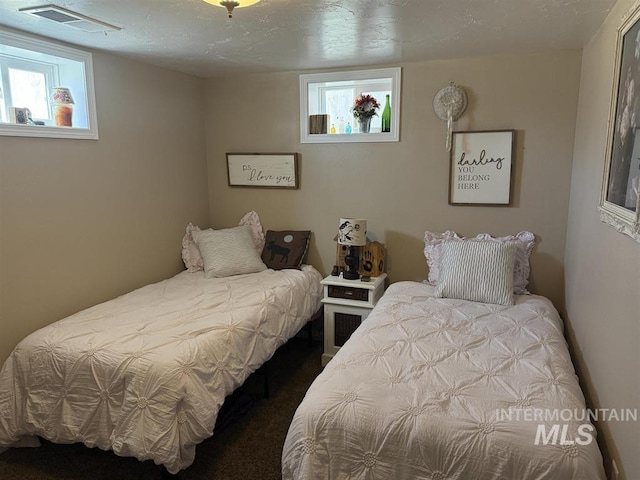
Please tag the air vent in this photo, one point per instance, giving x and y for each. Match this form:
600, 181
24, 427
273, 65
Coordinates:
72, 19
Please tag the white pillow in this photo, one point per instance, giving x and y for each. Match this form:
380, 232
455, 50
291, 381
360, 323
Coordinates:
228, 252
524, 241
477, 271
191, 253
253, 220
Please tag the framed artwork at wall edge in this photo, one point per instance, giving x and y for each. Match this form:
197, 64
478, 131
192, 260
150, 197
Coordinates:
481, 168
619, 199
266, 170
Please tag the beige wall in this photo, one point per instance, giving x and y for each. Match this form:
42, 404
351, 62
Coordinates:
82, 221
401, 188
603, 266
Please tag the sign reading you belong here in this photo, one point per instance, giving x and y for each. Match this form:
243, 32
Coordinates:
481, 168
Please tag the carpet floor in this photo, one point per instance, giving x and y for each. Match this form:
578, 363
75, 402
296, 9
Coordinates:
247, 445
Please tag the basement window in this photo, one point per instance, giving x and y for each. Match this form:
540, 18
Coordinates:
46, 89
326, 100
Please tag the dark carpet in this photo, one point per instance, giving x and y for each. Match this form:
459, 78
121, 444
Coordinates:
247, 443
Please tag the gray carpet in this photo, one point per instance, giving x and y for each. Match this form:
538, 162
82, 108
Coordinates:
248, 444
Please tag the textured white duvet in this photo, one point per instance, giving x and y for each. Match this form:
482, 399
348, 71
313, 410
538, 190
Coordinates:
145, 374
420, 390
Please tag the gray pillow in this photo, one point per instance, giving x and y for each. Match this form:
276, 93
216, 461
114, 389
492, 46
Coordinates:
477, 271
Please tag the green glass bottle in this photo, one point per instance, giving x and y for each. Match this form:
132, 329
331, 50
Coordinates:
386, 116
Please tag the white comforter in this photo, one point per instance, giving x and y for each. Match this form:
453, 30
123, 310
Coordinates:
422, 390
145, 374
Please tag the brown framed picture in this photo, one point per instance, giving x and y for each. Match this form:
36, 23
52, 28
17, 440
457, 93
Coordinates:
481, 168
266, 170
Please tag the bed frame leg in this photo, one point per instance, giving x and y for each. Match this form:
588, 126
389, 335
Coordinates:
266, 392
309, 325
310, 333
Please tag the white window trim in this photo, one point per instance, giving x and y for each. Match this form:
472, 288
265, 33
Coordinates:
51, 48
384, 73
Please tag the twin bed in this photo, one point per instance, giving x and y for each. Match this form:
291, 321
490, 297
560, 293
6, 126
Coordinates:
438, 388
146, 374
468, 377
432, 385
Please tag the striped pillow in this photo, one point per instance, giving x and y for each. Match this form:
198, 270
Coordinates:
477, 271
227, 252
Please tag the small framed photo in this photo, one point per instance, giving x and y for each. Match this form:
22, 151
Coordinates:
20, 116
266, 170
481, 168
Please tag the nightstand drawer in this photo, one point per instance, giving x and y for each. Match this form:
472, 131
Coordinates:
349, 293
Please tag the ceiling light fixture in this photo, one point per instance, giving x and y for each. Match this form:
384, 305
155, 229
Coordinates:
231, 4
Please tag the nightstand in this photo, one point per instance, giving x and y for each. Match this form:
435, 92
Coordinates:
347, 303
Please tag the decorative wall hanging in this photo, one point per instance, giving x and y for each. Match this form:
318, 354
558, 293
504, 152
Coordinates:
619, 199
449, 104
481, 168
278, 170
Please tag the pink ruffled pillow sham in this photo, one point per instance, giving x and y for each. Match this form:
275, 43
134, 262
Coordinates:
191, 255
524, 242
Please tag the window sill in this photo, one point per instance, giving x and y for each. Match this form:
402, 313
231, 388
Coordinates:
349, 138
14, 130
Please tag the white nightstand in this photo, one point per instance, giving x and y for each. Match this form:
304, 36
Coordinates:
347, 303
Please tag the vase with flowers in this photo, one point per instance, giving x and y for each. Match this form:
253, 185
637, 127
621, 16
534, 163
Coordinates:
364, 107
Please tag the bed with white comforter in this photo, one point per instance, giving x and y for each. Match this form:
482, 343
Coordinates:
145, 374
422, 390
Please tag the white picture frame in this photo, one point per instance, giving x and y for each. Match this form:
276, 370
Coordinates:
481, 168
264, 170
623, 149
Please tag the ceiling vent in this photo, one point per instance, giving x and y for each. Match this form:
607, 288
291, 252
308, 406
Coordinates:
72, 19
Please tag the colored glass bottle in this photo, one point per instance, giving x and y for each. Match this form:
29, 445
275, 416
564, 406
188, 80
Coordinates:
348, 128
333, 129
386, 116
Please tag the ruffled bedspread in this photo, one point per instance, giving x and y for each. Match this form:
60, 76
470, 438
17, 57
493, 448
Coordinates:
145, 374
437, 388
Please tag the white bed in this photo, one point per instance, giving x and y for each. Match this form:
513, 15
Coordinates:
145, 374
421, 389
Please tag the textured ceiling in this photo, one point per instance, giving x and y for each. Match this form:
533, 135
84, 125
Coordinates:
279, 35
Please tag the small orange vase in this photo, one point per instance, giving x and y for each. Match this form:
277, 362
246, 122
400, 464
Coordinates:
64, 114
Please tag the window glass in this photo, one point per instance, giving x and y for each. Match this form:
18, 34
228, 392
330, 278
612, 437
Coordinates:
337, 103
29, 89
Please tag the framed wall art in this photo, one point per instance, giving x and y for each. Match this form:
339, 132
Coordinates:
619, 199
481, 168
267, 170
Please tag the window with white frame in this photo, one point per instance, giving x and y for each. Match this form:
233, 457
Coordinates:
326, 100
46, 89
